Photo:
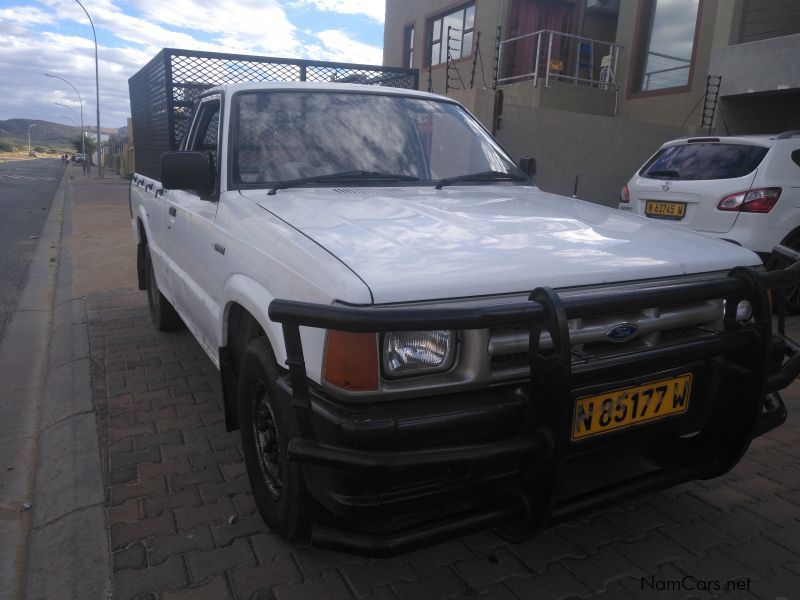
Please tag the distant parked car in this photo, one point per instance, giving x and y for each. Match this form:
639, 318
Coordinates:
744, 189
33, 153
78, 157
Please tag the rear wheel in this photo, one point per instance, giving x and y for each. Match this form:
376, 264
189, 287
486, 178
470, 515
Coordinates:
162, 312
266, 426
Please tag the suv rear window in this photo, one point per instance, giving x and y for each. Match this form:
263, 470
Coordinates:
704, 161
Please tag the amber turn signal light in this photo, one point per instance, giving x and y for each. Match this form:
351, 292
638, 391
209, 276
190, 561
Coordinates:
351, 361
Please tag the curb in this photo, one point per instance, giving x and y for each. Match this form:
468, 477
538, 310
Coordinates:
67, 549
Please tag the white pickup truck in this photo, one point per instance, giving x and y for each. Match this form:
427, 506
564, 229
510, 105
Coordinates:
417, 342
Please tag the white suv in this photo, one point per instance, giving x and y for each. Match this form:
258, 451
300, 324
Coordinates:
743, 189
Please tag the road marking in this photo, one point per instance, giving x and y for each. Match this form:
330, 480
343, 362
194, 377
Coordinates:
26, 177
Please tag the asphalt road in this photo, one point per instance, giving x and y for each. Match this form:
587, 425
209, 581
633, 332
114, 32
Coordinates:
27, 188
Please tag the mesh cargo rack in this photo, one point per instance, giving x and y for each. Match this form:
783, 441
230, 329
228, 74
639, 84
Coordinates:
164, 91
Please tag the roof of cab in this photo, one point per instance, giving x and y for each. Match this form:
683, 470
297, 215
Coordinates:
323, 86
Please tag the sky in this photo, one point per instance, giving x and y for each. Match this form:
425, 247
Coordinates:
54, 37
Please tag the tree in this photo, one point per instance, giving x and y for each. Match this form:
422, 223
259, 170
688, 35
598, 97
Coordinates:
89, 144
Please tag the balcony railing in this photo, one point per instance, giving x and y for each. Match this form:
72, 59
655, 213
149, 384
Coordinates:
551, 55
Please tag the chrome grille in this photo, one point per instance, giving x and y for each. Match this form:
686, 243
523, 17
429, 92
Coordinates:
508, 346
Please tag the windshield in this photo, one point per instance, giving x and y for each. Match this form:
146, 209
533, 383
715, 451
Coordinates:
288, 135
698, 161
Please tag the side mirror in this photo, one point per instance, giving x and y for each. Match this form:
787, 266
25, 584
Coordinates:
187, 171
528, 164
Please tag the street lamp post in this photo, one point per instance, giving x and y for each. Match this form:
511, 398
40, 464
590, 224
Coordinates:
83, 135
97, 88
29, 136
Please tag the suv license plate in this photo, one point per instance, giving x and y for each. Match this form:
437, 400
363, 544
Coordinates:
665, 210
627, 407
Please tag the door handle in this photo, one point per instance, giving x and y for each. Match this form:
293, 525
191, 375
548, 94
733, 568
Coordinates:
172, 211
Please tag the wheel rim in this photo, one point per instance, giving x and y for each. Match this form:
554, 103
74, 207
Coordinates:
265, 433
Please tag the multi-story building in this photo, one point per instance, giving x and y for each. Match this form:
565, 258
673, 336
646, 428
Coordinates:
590, 88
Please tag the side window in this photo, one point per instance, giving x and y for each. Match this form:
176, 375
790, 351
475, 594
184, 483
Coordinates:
796, 157
206, 135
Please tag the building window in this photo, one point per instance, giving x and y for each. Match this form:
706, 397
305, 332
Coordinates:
666, 43
459, 23
408, 47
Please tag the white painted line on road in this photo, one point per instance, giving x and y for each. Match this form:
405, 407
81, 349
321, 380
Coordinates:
26, 177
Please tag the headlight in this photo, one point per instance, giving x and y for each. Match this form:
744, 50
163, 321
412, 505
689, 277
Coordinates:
417, 352
744, 310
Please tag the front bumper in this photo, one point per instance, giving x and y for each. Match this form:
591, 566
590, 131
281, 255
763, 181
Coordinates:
505, 454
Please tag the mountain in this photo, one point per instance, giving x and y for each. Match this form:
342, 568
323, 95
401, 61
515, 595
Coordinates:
45, 133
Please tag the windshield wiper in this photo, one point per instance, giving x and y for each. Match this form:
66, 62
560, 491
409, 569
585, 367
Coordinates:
482, 176
671, 173
341, 176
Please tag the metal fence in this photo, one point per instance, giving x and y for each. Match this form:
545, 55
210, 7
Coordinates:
555, 55
164, 91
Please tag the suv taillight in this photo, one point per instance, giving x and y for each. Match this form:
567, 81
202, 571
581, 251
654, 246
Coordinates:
624, 195
754, 201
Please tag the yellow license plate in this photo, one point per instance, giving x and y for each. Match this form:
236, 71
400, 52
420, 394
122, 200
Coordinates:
626, 407
665, 210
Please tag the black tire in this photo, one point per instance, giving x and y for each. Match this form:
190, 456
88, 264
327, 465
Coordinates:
266, 425
164, 316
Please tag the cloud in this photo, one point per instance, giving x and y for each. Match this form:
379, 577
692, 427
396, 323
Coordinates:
374, 9
53, 36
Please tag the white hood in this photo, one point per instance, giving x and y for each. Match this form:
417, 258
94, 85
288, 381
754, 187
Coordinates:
417, 243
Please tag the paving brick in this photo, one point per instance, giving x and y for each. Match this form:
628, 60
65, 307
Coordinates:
668, 583
788, 537
761, 554
592, 535
758, 486
124, 459
740, 523
180, 481
248, 581
188, 517
603, 568
198, 538
123, 445
722, 496
127, 512
313, 562
641, 519
119, 433
147, 441
652, 551
684, 509
715, 566
270, 546
202, 564
330, 586
386, 593
698, 536
173, 466
428, 559
119, 404
178, 423
212, 491
123, 534
227, 455
616, 591
244, 503
132, 557
484, 542
364, 577
190, 449
215, 589
547, 548
121, 493
135, 582
233, 470
122, 476
557, 583
442, 583
782, 587
776, 509
155, 505
481, 573
151, 416
225, 532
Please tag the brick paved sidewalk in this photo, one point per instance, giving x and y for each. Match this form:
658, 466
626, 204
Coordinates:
183, 524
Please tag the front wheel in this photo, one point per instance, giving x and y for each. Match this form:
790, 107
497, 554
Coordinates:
266, 425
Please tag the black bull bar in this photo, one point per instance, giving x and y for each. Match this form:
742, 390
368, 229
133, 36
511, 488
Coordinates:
767, 361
